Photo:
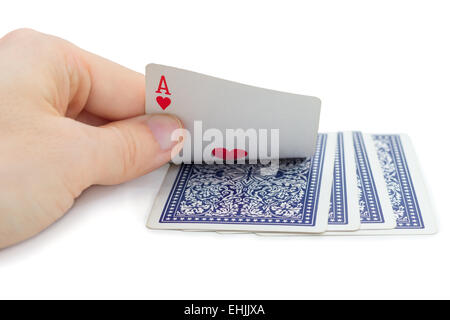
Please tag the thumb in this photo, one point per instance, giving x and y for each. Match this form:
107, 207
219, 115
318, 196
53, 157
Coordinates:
130, 148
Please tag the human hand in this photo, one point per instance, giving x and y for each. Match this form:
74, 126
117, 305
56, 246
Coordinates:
68, 119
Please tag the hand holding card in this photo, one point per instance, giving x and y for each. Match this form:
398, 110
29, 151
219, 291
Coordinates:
347, 183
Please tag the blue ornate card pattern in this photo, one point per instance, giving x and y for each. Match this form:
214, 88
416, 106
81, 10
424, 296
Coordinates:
240, 194
338, 214
400, 187
369, 203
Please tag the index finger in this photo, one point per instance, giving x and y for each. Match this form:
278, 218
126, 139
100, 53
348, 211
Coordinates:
116, 92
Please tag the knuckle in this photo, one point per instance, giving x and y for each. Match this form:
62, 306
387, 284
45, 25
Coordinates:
30, 37
22, 34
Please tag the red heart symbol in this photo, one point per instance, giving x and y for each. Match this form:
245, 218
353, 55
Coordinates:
223, 153
163, 102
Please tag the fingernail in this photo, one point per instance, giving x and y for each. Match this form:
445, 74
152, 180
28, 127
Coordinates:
162, 127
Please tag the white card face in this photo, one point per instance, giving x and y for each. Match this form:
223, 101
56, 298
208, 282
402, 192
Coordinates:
220, 105
296, 198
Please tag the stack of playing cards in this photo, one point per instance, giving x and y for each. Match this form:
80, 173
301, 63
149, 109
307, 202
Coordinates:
355, 184
345, 183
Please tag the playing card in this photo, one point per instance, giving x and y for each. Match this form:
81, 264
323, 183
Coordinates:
272, 124
239, 197
374, 205
344, 209
409, 198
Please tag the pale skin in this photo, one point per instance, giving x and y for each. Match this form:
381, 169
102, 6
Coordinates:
68, 119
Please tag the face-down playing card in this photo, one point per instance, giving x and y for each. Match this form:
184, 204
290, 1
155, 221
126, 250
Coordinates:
226, 119
239, 197
407, 192
374, 205
344, 205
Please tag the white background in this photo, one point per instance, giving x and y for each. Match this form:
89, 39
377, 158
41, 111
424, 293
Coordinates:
378, 66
